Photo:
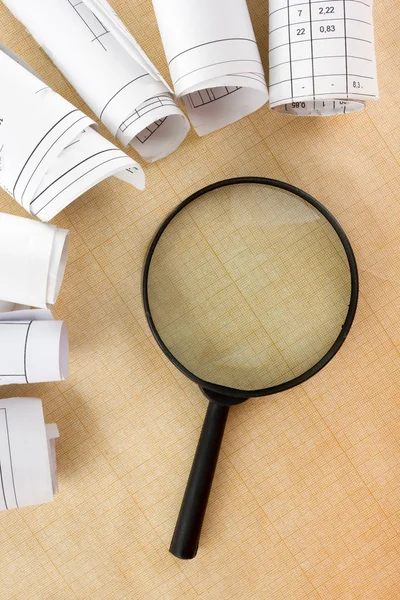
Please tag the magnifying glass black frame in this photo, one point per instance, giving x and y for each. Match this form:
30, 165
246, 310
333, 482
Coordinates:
187, 531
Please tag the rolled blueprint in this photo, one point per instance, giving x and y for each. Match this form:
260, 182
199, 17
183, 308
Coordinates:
49, 152
321, 56
33, 257
97, 54
213, 59
28, 472
33, 347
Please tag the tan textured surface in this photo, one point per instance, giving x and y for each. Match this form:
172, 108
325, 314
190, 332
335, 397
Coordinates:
306, 502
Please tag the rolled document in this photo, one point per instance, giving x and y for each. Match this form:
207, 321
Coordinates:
33, 257
97, 54
321, 56
28, 472
33, 347
49, 152
213, 59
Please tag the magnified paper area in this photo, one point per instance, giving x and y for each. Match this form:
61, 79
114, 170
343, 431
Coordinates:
321, 56
249, 286
213, 59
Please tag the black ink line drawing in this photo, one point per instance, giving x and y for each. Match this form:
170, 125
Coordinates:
208, 95
212, 42
122, 156
37, 146
3, 413
26, 324
306, 1
92, 22
147, 107
144, 135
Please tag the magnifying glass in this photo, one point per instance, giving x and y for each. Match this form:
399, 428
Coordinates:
250, 287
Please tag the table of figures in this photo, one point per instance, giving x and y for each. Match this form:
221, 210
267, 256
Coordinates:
321, 55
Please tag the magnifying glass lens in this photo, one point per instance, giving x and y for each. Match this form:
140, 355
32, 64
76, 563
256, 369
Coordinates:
249, 286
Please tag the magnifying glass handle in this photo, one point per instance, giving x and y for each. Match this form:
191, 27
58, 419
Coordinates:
186, 536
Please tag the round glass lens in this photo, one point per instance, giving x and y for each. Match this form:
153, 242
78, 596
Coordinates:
249, 286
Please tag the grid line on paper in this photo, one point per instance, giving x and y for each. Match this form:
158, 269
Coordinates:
103, 29
147, 107
38, 145
319, 2
286, 62
25, 351
290, 48
3, 411
317, 77
2, 487
345, 49
39, 162
312, 49
337, 37
146, 133
320, 20
220, 62
233, 39
314, 77
209, 95
26, 324
120, 90
121, 157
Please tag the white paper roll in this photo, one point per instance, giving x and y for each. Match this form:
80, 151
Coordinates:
213, 59
321, 57
33, 257
50, 152
109, 70
33, 347
27, 454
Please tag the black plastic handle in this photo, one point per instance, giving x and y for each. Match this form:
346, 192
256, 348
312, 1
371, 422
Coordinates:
186, 536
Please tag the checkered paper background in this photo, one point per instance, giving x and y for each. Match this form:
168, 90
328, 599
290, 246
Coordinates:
306, 501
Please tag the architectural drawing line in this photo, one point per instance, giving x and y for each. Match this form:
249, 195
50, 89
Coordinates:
339, 37
212, 42
319, 2
25, 348
9, 451
37, 146
317, 21
286, 62
284, 100
223, 62
71, 169
319, 76
144, 135
120, 90
96, 37
46, 153
78, 178
196, 99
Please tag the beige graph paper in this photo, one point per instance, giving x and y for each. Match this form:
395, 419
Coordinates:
306, 501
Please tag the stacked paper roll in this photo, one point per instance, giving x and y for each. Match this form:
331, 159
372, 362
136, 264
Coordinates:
27, 454
109, 70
